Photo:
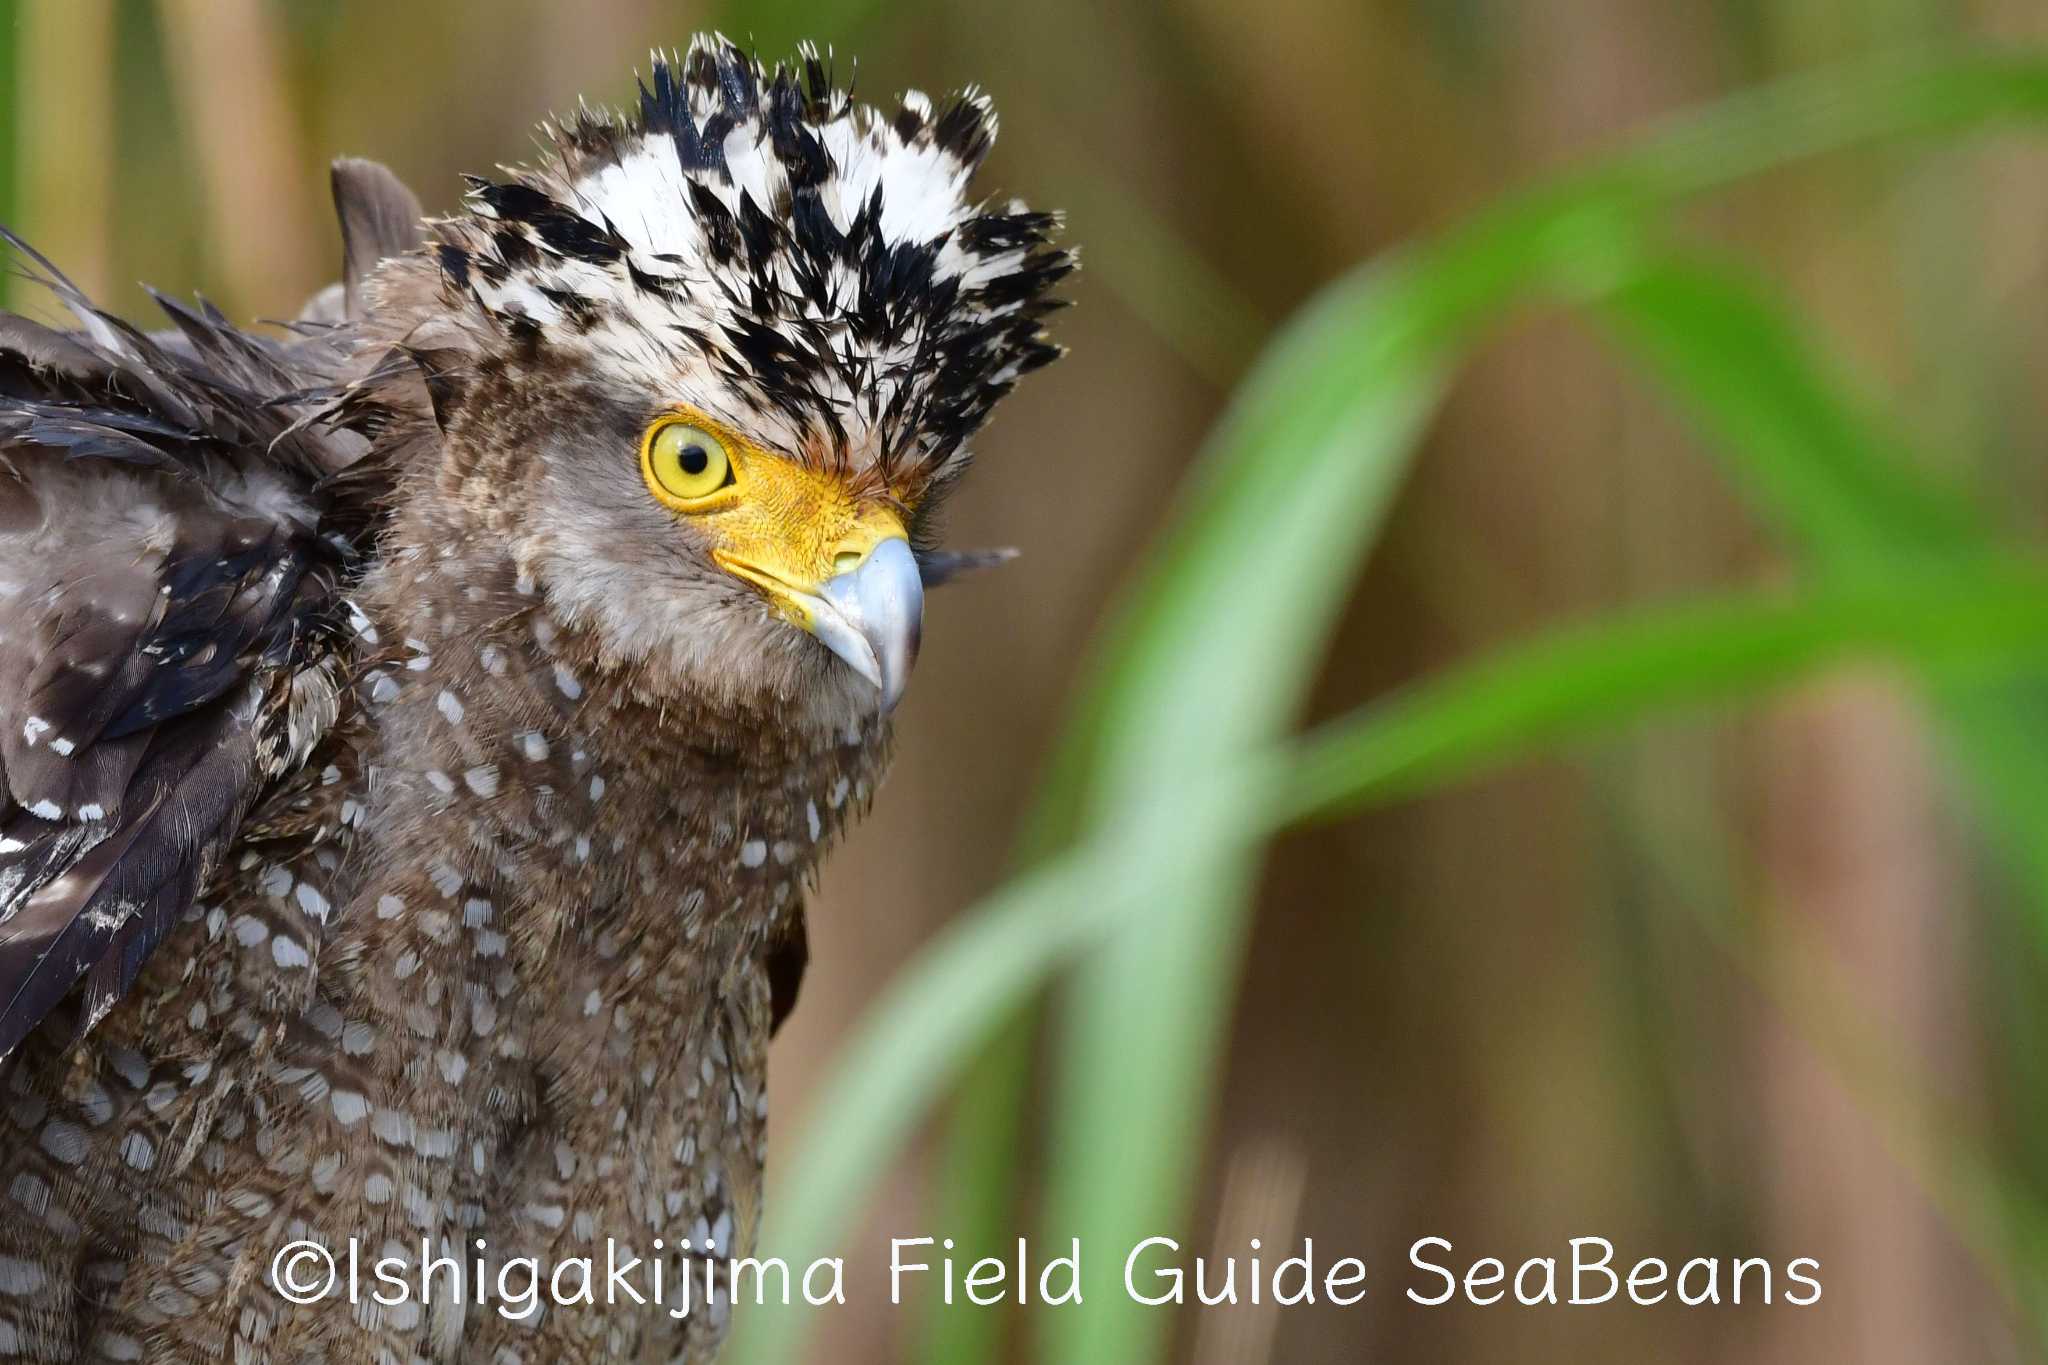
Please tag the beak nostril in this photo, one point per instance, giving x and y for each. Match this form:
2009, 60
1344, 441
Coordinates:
846, 561
869, 615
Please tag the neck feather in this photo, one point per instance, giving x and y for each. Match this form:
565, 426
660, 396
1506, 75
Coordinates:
534, 817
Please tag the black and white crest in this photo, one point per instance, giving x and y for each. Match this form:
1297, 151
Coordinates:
818, 261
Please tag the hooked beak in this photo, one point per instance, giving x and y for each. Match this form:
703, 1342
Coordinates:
872, 615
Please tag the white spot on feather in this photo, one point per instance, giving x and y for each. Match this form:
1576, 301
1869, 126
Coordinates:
138, 1151
19, 1278
312, 902
64, 1141
361, 624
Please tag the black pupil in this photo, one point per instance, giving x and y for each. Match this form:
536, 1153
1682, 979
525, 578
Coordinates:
694, 459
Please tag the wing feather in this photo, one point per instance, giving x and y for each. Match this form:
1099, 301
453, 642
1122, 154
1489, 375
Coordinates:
113, 905
172, 553
788, 955
380, 218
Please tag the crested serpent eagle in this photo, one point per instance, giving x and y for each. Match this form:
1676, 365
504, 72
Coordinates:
419, 725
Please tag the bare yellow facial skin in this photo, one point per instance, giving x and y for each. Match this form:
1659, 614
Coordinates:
774, 522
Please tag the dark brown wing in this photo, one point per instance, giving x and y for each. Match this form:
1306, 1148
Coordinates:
789, 953
169, 591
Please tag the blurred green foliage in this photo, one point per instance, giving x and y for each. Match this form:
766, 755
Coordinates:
1167, 789
1217, 641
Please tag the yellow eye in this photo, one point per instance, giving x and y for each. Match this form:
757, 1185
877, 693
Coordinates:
684, 463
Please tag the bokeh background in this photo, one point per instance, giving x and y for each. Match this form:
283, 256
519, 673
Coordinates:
1710, 988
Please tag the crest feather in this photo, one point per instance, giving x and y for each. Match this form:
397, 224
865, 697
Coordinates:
818, 257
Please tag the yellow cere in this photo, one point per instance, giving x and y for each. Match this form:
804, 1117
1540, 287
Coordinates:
773, 521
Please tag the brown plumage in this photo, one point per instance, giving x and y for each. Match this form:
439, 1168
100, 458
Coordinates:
411, 784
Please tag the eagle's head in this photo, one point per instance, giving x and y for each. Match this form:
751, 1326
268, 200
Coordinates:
708, 373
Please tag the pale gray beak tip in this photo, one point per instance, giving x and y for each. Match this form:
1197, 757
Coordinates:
872, 616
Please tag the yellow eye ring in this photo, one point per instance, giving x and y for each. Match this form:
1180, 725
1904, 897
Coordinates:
684, 463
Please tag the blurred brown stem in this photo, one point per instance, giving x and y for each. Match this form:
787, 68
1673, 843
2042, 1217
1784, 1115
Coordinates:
66, 133
226, 75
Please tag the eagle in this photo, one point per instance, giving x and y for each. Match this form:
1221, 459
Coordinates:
420, 724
